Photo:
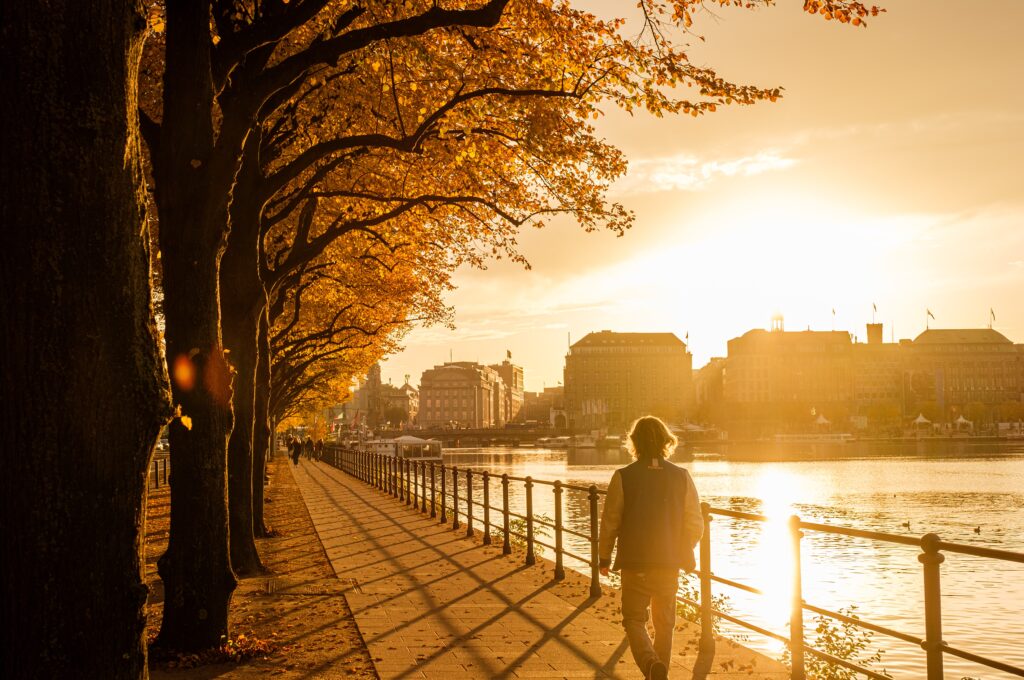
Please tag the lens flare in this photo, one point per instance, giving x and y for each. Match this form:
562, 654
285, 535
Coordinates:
183, 373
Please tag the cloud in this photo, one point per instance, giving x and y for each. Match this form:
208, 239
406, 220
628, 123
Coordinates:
686, 172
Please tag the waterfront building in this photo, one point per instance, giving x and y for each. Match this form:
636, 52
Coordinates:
613, 378
785, 381
546, 407
399, 405
376, 404
707, 390
974, 372
462, 394
877, 398
778, 381
513, 377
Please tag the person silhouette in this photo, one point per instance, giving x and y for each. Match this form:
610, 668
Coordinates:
652, 511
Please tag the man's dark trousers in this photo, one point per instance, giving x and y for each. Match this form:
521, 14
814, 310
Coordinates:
649, 591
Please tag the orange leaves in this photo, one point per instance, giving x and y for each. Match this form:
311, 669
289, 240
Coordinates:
843, 11
185, 421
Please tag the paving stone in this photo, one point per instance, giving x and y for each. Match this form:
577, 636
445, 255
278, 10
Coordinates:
432, 603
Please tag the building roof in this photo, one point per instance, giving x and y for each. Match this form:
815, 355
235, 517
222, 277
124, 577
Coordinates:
962, 336
604, 338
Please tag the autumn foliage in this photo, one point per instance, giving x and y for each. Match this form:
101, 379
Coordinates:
322, 168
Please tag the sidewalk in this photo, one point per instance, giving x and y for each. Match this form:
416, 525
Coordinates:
297, 607
431, 603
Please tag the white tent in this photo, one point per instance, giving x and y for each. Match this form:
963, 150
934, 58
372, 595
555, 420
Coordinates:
963, 422
822, 420
921, 420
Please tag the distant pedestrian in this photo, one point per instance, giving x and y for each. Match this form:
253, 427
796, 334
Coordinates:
653, 512
307, 448
296, 449
319, 450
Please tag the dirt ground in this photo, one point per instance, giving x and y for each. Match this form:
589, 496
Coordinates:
292, 622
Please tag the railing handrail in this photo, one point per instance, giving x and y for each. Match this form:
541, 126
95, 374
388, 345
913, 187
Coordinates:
406, 479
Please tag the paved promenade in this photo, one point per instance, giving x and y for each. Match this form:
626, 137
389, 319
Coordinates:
431, 603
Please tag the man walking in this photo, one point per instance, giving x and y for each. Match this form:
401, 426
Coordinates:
652, 510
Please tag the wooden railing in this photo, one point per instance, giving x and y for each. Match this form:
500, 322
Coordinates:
421, 484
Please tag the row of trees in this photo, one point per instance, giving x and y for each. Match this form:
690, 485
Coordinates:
303, 176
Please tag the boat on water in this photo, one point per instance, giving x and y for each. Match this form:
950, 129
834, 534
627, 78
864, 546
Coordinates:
596, 440
406, 446
553, 442
819, 438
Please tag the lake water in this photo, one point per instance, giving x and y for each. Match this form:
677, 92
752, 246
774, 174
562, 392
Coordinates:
955, 497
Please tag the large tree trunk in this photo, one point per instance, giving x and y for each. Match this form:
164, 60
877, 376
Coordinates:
262, 442
196, 569
193, 185
242, 296
82, 385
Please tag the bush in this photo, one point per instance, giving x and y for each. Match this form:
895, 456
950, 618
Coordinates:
843, 640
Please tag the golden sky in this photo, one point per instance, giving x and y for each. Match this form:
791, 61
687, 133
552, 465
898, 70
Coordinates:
889, 173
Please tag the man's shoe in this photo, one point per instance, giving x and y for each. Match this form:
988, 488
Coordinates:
659, 671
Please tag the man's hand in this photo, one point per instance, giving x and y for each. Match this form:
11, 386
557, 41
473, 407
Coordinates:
604, 571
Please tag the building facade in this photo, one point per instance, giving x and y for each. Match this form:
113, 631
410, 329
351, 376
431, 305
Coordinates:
546, 407
778, 381
977, 373
375, 404
462, 394
512, 376
778, 378
613, 378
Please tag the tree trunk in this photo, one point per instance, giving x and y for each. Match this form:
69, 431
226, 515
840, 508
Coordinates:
193, 187
262, 443
196, 569
241, 296
82, 385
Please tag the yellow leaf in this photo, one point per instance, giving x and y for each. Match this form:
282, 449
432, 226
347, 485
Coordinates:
187, 422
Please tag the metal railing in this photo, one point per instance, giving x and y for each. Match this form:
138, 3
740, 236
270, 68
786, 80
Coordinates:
159, 469
408, 479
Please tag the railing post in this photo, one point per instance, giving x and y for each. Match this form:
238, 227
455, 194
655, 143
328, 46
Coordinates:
469, 503
487, 507
455, 497
423, 486
796, 613
444, 495
156, 475
415, 486
530, 557
406, 485
559, 569
400, 478
506, 545
433, 491
707, 617
931, 558
393, 476
595, 559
